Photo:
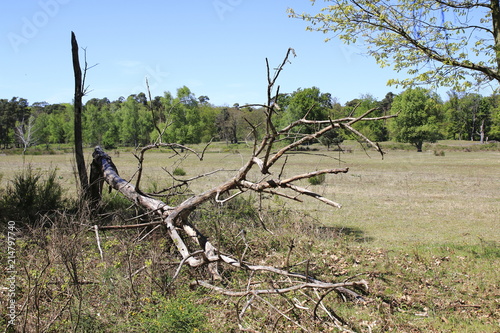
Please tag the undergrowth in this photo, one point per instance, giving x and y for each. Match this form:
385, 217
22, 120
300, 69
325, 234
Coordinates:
30, 195
64, 285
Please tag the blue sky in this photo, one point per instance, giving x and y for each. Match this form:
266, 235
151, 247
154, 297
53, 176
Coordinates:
216, 48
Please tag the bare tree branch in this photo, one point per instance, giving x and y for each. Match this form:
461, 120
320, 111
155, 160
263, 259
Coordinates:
180, 228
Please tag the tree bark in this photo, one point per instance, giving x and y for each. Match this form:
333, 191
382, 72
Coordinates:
482, 132
495, 17
80, 159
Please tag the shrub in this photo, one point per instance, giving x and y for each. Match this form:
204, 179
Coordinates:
317, 180
30, 195
180, 315
179, 172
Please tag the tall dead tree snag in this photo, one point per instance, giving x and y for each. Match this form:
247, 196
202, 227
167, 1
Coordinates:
80, 159
90, 189
262, 161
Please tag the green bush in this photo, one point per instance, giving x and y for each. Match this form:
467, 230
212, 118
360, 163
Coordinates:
179, 172
180, 315
30, 195
317, 180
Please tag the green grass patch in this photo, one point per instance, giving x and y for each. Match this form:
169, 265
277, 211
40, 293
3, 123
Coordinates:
178, 171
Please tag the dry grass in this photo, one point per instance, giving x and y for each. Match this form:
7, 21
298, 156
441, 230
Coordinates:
422, 229
417, 198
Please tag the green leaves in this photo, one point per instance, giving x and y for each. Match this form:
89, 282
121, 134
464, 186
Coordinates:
418, 119
452, 43
310, 103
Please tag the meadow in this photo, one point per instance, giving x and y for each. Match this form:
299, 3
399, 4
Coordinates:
423, 228
403, 199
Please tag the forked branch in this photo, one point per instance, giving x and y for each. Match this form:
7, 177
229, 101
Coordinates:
264, 157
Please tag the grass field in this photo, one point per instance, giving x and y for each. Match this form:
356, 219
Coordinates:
407, 198
423, 228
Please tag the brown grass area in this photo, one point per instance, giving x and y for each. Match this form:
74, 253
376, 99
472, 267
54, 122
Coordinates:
423, 230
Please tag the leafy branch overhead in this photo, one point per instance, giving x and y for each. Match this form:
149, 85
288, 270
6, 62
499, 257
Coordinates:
438, 42
258, 173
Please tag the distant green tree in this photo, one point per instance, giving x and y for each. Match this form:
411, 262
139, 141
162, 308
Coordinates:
481, 121
283, 101
468, 116
247, 116
94, 124
163, 117
373, 130
203, 99
495, 127
208, 115
111, 138
7, 122
140, 98
226, 122
11, 111
494, 132
56, 128
386, 103
186, 97
330, 138
136, 122
183, 118
309, 102
419, 117
60, 124
41, 128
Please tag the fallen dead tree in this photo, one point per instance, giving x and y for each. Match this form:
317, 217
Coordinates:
176, 222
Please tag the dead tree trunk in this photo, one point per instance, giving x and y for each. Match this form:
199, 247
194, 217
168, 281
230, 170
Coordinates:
482, 131
263, 158
175, 219
79, 157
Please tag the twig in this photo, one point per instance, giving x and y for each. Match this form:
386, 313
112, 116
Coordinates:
178, 270
281, 313
468, 306
295, 287
245, 307
243, 237
290, 249
130, 226
149, 233
153, 116
143, 151
261, 219
358, 133
330, 313
96, 229
183, 182
222, 201
139, 270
